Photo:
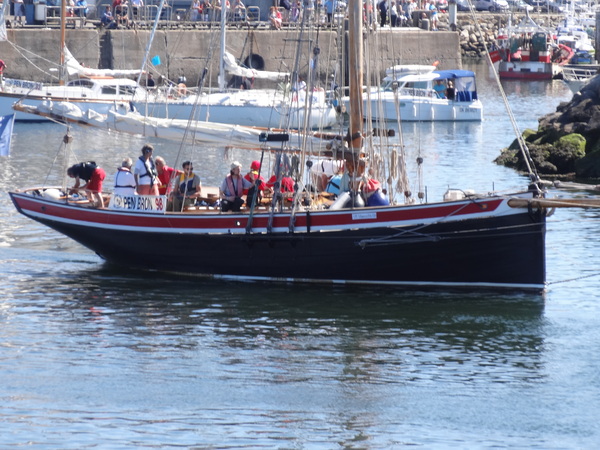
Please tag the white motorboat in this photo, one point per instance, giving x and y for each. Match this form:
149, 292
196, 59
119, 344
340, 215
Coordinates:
445, 95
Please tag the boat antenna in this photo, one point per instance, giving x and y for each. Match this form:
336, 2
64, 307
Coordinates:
531, 169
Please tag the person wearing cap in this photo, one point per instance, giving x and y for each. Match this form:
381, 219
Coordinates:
232, 189
124, 179
145, 172
252, 176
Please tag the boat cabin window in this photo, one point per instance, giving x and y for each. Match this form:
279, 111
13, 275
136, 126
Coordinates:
120, 90
127, 90
109, 90
81, 83
407, 85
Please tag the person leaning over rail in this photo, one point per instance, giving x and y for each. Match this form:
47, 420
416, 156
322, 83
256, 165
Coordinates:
93, 175
232, 189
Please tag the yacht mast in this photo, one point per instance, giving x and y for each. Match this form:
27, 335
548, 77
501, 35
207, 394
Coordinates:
355, 73
63, 15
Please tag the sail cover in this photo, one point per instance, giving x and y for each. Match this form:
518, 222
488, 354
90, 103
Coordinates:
74, 68
232, 67
122, 119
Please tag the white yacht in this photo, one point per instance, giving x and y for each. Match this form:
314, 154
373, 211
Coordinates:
434, 95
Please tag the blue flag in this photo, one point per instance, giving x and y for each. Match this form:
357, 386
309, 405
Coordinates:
156, 60
6, 129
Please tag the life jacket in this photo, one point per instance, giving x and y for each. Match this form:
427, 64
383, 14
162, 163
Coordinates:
117, 185
85, 170
237, 190
333, 186
149, 172
187, 186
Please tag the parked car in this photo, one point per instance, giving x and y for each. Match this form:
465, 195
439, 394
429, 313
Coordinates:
490, 5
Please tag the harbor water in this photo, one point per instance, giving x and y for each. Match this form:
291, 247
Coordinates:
95, 356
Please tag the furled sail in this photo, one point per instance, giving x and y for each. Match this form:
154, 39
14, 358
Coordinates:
75, 68
123, 120
232, 67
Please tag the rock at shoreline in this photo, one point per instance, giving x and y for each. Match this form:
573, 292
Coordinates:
567, 142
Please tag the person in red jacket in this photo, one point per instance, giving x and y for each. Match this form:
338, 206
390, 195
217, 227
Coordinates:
165, 175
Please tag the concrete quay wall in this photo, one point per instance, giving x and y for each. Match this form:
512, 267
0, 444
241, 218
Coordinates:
33, 54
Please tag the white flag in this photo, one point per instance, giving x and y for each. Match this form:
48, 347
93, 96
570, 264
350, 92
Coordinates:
6, 129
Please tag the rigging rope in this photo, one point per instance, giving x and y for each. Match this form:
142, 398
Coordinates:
521, 141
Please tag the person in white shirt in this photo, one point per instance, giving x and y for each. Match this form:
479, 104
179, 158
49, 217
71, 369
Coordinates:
145, 172
124, 180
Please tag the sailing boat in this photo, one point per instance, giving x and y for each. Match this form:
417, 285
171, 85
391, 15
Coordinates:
282, 107
462, 240
99, 91
249, 107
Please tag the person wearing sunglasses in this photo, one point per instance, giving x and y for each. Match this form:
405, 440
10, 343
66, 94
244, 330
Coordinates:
189, 188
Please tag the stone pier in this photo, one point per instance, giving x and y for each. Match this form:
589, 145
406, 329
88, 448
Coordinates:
33, 54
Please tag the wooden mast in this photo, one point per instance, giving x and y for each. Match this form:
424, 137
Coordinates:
355, 74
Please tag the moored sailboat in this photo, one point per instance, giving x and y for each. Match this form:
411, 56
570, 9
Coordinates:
462, 240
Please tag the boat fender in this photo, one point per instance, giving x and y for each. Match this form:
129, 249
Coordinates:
357, 200
377, 199
343, 201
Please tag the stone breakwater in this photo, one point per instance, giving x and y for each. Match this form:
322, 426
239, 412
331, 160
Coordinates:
566, 144
472, 42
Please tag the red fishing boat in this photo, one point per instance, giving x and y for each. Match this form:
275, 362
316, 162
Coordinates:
529, 52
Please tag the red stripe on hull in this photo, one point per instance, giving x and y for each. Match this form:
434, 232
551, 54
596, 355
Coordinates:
227, 221
516, 75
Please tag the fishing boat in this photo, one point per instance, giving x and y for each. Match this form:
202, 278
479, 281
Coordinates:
529, 52
463, 240
575, 36
577, 75
424, 96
